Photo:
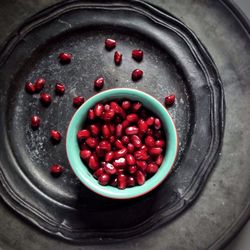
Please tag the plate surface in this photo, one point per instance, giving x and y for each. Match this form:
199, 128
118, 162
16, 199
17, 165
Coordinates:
175, 62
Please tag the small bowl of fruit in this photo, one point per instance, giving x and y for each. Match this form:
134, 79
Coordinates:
122, 143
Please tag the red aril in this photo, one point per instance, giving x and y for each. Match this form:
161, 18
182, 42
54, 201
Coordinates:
122, 181
35, 122
39, 84
110, 44
104, 179
78, 101
137, 54
56, 170
59, 89
137, 74
118, 57
131, 181
55, 136
30, 87
85, 154
45, 99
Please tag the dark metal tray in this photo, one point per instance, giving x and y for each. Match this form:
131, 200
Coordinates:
175, 62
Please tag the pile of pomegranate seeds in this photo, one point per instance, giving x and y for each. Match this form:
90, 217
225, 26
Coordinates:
122, 143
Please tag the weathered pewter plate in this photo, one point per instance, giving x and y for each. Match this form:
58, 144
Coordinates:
175, 62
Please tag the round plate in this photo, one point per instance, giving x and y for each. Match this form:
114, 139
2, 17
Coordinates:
175, 62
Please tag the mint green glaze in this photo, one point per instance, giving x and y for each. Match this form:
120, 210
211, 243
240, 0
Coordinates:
81, 170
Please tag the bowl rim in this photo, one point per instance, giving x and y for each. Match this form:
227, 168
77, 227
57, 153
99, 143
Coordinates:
103, 190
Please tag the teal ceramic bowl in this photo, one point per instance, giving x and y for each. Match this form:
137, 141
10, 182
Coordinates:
81, 170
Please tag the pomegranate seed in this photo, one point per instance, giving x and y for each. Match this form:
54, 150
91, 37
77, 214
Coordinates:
85, 154
118, 131
155, 151
99, 152
132, 118
142, 165
130, 148
104, 179
56, 170
143, 126
99, 83
59, 89
65, 57
112, 139
136, 107
45, 99
150, 121
136, 141
119, 163
78, 101
55, 136
114, 182
91, 114
115, 106
140, 177
149, 141
170, 100
109, 156
98, 172
109, 115
120, 153
119, 144
137, 74
157, 124
141, 155
30, 87
132, 130
137, 54
125, 123
105, 145
105, 131
106, 107
159, 160
94, 129
160, 143
122, 181
152, 168
110, 44
118, 57
93, 164
83, 134
125, 140
39, 84
131, 181
126, 104
99, 109
109, 169
92, 142
132, 169
130, 159
144, 148
35, 121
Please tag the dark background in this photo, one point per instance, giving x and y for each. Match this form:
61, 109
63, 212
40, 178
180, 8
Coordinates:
241, 242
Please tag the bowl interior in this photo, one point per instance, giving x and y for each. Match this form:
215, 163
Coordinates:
82, 171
